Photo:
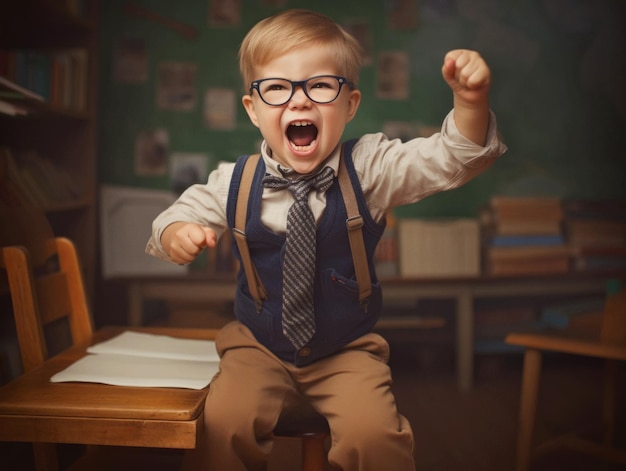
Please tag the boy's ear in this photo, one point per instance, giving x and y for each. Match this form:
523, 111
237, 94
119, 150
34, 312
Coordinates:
249, 107
353, 104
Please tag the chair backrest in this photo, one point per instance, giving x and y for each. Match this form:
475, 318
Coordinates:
45, 283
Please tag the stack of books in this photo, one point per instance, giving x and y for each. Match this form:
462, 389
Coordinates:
523, 236
596, 234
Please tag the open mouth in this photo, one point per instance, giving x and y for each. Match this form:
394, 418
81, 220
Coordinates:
302, 134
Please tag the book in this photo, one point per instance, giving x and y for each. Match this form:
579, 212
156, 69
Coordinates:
591, 263
78, 91
527, 252
7, 63
598, 257
525, 228
68, 79
528, 266
521, 240
573, 314
611, 209
526, 207
146, 360
386, 253
524, 216
10, 89
595, 232
32, 71
439, 248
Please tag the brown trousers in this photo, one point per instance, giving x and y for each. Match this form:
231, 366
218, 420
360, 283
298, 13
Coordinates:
351, 388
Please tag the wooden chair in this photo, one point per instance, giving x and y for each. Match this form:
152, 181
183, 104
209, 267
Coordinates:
46, 286
607, 342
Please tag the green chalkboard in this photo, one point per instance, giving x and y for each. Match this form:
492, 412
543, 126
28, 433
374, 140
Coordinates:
559, 71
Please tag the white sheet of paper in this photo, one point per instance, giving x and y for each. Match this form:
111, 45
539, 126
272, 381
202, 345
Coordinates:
148, 360
124, 370
157, 346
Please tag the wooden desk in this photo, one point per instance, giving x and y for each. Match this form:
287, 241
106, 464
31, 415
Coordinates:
32, 409
464, 291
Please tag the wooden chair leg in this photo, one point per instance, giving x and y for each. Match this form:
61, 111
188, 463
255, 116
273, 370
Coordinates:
313, 452
528, 407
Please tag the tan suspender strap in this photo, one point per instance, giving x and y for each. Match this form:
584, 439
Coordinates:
354, 223
257, 290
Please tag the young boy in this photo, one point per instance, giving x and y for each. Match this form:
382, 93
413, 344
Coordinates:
301, 72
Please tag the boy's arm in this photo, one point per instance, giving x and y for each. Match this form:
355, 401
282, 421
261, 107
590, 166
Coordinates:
469, 77
196, 220
183, 241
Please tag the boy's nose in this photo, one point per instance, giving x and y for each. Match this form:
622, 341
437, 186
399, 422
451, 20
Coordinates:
299, 96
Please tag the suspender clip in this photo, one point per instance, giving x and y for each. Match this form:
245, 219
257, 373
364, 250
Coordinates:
354, 222
238, 233
365, 303
259, 305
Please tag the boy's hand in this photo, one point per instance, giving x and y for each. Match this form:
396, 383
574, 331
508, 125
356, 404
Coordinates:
469, 77
467, 74
183, 241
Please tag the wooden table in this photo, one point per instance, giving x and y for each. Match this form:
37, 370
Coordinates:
32, 409
464, 291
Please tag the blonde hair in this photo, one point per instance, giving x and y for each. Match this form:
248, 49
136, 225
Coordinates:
282, 33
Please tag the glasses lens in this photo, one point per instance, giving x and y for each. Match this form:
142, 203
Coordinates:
275, 91
323, 89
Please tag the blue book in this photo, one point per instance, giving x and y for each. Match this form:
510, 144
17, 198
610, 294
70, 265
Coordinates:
560, 316
524, 240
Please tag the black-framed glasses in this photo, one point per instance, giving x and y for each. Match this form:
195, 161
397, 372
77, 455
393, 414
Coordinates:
320, 89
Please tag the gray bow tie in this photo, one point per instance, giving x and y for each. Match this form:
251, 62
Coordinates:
321, 181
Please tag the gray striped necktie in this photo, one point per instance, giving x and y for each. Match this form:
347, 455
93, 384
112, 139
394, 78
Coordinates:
299, 264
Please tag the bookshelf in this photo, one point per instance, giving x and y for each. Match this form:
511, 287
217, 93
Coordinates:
48, 116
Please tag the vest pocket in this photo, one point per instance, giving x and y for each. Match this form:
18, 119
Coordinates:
340, 310
260, 323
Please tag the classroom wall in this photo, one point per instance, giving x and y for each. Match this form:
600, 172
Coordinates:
558, 89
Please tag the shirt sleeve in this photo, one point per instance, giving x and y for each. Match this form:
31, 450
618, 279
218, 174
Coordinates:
203, 204
395, 173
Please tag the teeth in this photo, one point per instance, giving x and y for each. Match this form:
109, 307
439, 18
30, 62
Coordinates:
301, 123
303, 148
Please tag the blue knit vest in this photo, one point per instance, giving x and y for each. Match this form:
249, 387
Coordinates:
339, 316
